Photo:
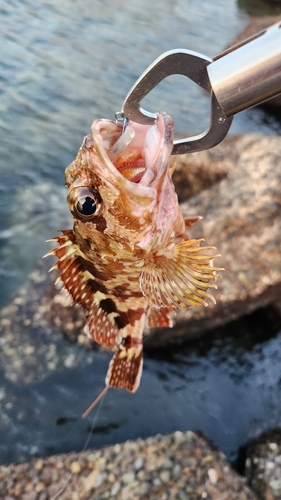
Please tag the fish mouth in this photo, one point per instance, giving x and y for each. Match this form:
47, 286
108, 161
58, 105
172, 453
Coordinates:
132, 152
138, 151
131, 165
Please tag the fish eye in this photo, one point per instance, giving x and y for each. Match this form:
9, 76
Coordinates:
86, 203
86, 206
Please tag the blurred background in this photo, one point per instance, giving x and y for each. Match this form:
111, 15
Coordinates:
64, 64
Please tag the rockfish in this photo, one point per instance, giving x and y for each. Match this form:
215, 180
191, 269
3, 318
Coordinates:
128, 260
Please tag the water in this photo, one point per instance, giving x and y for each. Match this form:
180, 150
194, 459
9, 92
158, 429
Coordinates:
227, 385
63, 64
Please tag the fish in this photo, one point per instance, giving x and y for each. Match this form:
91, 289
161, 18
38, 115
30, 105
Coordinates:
128, 260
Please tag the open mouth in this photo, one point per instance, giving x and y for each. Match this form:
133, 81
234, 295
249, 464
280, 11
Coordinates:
129, 153
131, 165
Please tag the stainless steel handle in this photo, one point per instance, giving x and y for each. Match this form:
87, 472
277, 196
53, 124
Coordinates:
190, 64
248, 74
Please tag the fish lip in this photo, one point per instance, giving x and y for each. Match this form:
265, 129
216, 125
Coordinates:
156, 156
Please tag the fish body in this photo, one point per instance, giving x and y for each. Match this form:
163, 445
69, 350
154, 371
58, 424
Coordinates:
128, 260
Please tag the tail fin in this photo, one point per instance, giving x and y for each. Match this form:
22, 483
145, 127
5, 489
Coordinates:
125, 368
124, 371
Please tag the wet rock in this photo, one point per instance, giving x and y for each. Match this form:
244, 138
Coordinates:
200, 171
203, 473
256, 25
263, 465
30, 345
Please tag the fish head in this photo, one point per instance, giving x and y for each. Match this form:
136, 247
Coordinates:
120, 184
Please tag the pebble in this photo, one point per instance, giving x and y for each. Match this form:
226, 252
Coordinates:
39, 464
75, 467
176, 470
115, 488
144, 488
99, 480
128, 477
39, 487
213, 476
138, 464
165, 476
156, 481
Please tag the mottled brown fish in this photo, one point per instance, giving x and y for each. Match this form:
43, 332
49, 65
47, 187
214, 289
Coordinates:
128, 260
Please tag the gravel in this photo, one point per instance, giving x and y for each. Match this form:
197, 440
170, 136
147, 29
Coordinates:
263, 465
182, 465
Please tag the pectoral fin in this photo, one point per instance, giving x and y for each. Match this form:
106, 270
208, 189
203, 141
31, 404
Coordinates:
181, 279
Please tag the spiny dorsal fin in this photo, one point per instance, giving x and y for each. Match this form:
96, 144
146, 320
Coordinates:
181, 279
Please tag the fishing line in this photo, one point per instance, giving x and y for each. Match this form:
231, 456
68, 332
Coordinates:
95, 402
70, 480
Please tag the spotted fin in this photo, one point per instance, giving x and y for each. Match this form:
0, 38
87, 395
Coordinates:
125, 368
158, 318
101, 327
181, 279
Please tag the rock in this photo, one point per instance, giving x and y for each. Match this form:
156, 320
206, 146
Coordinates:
256, 25
25, 320
263, 465
203, 472
198, 171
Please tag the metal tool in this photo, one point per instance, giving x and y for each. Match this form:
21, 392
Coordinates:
239, 78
